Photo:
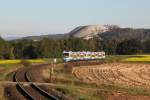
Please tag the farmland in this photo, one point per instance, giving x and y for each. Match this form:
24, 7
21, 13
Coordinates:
139, 58
4, 62
125, 74
115, 58
128, 58
115, 74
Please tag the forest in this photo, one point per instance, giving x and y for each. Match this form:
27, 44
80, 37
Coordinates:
53, 48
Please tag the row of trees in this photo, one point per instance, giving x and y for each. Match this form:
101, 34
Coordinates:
47, 48
127, 47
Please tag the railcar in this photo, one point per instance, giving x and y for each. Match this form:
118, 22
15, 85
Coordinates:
84, 55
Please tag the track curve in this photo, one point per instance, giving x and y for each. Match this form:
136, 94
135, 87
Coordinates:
30, 91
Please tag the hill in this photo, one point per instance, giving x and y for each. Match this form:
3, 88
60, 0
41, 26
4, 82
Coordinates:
90, 31
105, 32
126, 34
51, 36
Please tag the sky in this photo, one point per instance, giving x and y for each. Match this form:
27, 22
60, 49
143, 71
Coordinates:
36, 17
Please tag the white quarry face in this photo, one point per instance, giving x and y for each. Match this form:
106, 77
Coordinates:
88, 32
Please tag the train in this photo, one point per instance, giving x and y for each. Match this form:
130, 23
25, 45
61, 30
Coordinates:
69, 56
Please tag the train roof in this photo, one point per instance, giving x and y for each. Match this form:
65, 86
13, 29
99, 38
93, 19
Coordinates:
82, 52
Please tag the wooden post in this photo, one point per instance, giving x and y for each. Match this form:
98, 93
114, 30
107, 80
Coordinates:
51, 71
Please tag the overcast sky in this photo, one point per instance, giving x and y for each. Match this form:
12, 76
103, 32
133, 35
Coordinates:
34, 17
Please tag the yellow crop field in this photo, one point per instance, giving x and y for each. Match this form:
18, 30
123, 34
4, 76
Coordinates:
18, 61
138, 58
9, 61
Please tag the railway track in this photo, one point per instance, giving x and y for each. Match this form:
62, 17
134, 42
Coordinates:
30, 91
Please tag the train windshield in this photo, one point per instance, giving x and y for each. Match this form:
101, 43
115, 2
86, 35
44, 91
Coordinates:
66, 55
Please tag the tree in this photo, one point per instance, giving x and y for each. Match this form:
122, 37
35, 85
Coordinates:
45, 47
2, 48
129, 47
30, 52
74, 44
78, 44
8, 53
146, 46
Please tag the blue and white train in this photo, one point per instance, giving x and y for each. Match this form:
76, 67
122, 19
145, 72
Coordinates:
85, 55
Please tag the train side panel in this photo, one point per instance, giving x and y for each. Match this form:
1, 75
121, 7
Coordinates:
75, 56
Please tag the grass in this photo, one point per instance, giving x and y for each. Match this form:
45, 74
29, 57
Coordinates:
5, 69
88, 91
79, 93
2, 92
128, 90
49, 60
